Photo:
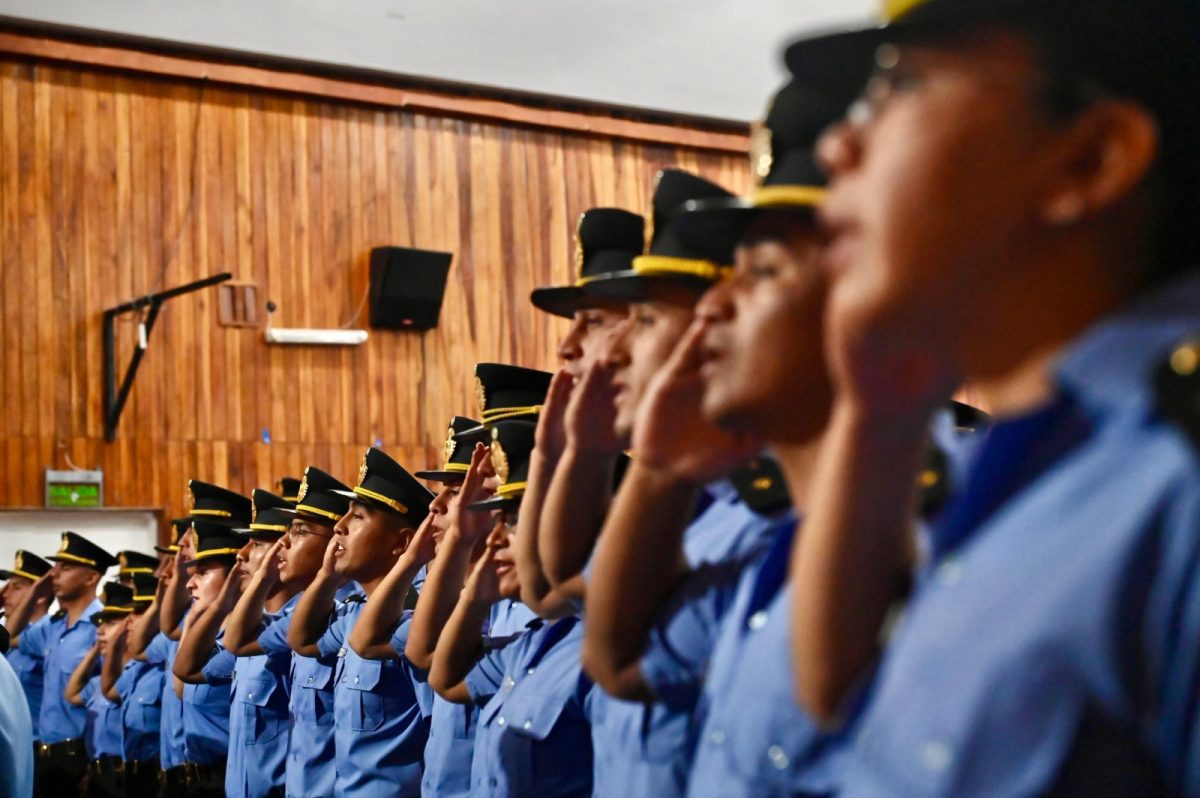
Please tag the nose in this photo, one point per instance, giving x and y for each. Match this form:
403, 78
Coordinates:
839, 148
616, 353
441, 502
340, 527
498, 537
715, 304
570, 348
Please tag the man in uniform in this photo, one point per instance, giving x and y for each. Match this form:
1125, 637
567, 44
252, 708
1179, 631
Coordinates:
134, 562
380, 707
62, 640
27, 569
1014, 201
138, 688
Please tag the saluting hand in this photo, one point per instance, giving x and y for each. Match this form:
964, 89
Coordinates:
328, 563
551, 436
670, 432
43, 588
421, 548
268, 569
592, 411
470, 524
483, 584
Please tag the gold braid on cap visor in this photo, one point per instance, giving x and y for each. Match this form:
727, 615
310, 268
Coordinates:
379, 497
663, 266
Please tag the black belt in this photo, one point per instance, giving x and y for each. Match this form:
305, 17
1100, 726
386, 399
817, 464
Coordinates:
107, 765
135, 767
197, 773
71, 747
173, 777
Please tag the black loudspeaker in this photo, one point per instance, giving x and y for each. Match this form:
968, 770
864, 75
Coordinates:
407, 287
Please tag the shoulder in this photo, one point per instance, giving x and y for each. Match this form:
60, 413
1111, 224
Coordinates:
1177, 389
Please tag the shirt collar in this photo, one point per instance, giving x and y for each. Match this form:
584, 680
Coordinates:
722, 490
1111, 366
96, 606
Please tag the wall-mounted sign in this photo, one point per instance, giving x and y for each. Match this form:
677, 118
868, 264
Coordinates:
68, 489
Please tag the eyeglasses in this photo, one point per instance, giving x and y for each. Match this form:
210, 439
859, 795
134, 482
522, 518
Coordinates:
299, 532
895, 76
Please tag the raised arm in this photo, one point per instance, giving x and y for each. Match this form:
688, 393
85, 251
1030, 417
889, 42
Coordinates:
245, 622
376, 624
175, 600
639, 558
114, 663
448, 571
461, 642
311, 618
145, 626
40, 595
198, 645
579, 494
81, 675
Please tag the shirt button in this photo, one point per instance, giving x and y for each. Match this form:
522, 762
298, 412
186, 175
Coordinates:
717, 737
949, 573
310, 680
530, 671
343, 680
527, 725
500, 721
250, 696
758, 620
356, 680
936, 756
778, 758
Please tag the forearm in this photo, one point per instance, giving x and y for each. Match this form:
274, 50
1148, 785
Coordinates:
244, 624
79, 678
638, 562
110, 671
143, 631
535, 585
175, 601
20, 617
459, 647
311, 618
197, 645
854, 554
443, 585
372, 635
576, 504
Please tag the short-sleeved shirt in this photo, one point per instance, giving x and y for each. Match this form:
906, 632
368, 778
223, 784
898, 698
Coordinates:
452, 726
30, 670
311, 767
534, 732
1051, 645
141, 689
206, 709
62, 648
380, 729
646, 748
172, 750
105, 732
258, 720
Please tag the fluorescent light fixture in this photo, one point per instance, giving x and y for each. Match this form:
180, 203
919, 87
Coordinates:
295, 335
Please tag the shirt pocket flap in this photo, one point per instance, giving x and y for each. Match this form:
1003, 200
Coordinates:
312, 673
362, 674
259, 690
533, 714
148, 692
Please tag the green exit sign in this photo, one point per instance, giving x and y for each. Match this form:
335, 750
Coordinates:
71, 489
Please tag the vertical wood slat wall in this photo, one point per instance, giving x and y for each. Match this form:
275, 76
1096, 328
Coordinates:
114, 185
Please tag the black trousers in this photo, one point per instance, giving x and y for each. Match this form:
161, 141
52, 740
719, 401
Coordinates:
59, 768
106, 777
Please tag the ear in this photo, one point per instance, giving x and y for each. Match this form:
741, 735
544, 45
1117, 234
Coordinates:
404, 538
1107, 153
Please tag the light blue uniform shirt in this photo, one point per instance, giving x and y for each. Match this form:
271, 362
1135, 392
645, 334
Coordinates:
105, 732
30, 669
141, 688
534, 733
1051, 646
452, 727
310, 771
161, 652
206, 709
258, 721
379, 726
63, 647
647, 748
16, 738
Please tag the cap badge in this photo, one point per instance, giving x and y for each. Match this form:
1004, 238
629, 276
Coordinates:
449, 450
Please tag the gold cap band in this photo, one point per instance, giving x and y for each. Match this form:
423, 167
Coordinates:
379, 497
308, 508
501, 413
662, 266
787, 196
218, 513
63, 555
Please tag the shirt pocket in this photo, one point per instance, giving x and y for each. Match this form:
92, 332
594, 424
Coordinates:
532, 714
146, 699
361, 679
312, 696
263, 721
664, 734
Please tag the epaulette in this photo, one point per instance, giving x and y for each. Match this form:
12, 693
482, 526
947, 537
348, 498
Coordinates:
761, 486
58, 616
1177, 386
355, 598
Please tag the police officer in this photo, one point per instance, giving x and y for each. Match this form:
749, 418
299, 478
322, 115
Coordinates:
380, 727
63, 639
27, 569
104, 728
258, 721
134, 562
206, 676
138, 688
1013, 201
250, 631
534, 734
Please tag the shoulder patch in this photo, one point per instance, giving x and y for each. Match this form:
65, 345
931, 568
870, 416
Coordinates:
1177, 387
